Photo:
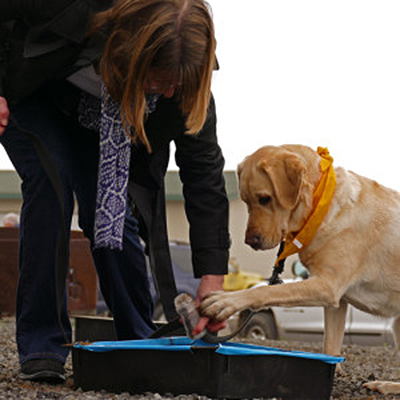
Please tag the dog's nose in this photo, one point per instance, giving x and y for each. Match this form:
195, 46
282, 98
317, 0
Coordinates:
254, 241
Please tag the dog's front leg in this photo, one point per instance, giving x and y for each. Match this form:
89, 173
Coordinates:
335, 321
315, 291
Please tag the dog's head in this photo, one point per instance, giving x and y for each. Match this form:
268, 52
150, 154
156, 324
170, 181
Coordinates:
276, 183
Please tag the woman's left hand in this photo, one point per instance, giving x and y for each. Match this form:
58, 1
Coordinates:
209, 283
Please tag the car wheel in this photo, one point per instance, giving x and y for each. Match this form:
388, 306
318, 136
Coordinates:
260, 327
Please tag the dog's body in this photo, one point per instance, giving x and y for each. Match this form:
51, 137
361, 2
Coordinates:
354, 257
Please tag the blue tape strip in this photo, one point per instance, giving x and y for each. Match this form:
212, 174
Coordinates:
166, 344
251, 350
187, 344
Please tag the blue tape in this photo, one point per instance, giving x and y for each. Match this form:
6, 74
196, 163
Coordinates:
187, 344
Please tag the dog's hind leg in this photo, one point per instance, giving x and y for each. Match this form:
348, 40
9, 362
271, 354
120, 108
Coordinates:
386, 387
396, 335
335, 320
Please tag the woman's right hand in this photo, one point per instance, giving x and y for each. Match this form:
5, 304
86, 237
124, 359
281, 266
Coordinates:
4, 114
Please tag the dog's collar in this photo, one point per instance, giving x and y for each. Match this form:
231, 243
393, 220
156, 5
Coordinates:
322, 197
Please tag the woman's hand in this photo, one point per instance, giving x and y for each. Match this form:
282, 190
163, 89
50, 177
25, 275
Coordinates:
209, 283
4, 114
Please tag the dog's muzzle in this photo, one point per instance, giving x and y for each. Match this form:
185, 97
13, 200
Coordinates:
255, 241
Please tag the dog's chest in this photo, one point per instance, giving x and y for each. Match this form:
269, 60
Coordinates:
371, 297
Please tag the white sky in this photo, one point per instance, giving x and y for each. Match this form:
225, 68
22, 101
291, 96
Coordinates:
320, 73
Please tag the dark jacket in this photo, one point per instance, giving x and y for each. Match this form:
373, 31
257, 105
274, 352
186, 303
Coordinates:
45, 30
200, 163
47, 37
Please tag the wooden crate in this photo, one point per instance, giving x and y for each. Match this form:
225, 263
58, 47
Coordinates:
81, 282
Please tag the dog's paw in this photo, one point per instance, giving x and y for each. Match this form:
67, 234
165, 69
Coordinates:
218, 306
384, 387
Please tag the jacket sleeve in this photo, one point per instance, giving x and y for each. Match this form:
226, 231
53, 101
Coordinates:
201, 164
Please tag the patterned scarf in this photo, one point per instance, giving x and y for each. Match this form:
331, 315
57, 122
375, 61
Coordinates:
113, 175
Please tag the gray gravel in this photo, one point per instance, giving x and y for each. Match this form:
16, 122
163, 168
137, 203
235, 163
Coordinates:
362, 364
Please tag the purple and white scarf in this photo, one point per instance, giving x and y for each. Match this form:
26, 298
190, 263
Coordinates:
113, 175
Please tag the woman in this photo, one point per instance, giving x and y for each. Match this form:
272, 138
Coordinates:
140, 80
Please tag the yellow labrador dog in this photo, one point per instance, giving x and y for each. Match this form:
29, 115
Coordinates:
352, 257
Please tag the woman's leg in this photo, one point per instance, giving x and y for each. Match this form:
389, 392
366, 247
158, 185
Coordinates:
125, 286
122, 274
38, 332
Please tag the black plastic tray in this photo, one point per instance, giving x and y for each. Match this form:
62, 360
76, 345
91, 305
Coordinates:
232, 370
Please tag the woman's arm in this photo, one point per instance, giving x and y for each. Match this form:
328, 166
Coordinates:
201, 164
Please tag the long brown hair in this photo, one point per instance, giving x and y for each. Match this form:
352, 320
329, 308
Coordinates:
175, 36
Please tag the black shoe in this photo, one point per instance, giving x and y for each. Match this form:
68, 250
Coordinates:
43, 370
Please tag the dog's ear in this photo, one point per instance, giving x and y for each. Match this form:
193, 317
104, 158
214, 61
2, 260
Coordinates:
240, 167
286, 173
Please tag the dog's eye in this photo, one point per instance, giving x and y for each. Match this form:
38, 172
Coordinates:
264, 200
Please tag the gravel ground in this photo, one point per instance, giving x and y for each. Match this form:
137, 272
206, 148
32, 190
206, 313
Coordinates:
362, 364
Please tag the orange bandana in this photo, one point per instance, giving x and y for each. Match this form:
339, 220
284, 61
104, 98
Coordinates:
322, 197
